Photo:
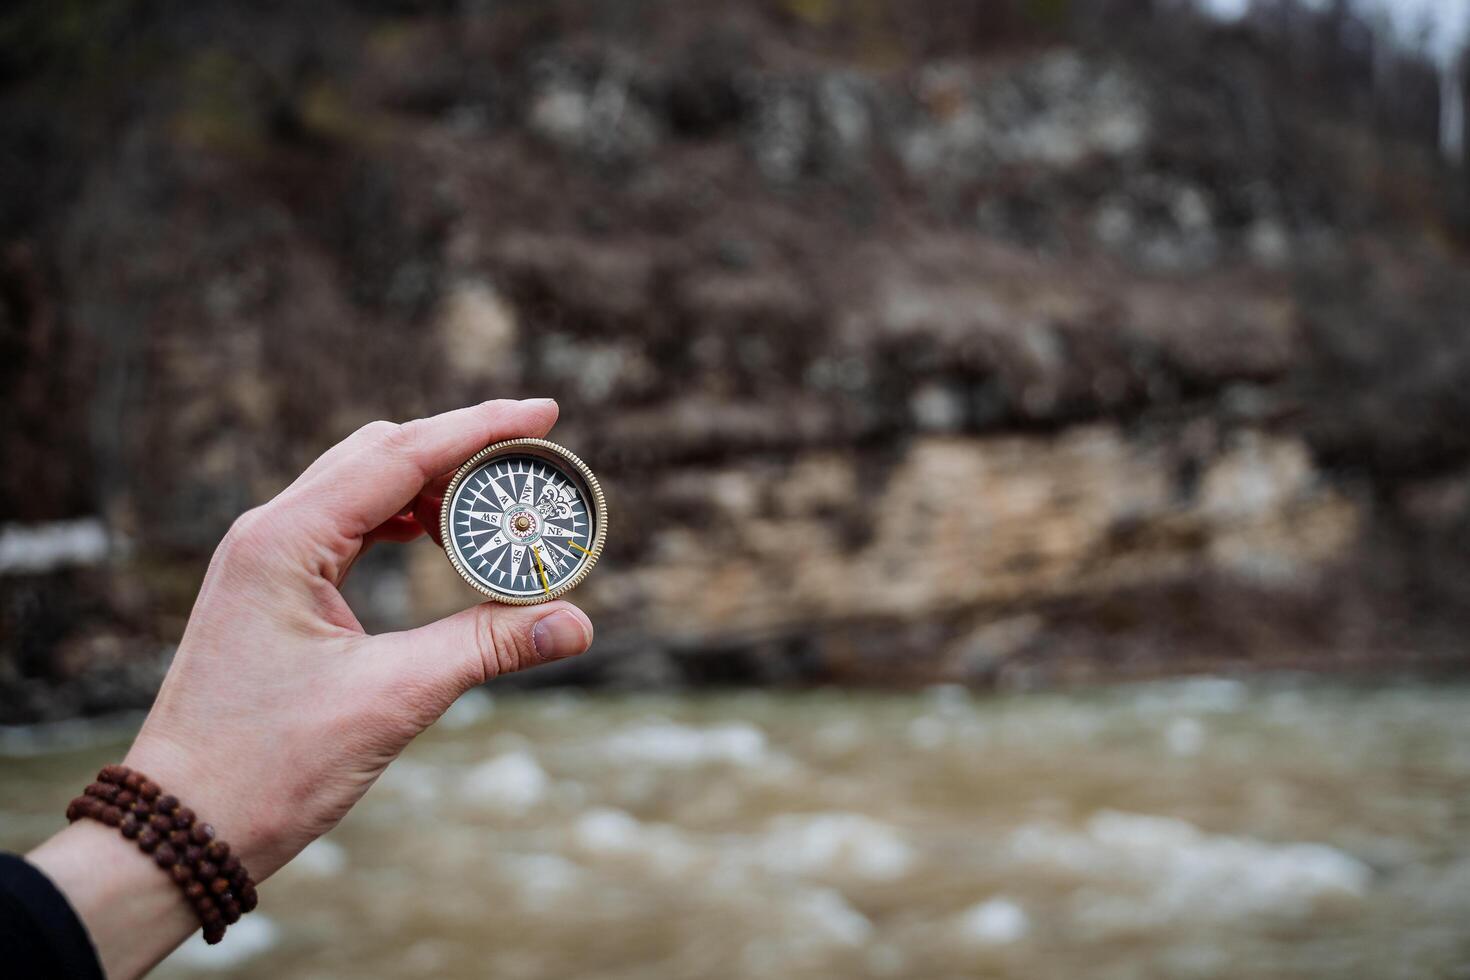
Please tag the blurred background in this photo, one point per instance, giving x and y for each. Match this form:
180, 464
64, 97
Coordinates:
1036, 433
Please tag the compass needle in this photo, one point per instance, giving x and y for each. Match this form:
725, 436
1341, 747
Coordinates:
545, 586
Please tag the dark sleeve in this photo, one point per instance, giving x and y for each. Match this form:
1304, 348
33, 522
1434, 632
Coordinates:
40, 935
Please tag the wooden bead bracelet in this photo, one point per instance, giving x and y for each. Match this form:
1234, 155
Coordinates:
213, 881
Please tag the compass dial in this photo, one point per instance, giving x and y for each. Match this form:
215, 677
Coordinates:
523, 521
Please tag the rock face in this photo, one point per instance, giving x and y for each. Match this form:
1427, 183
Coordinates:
907, 351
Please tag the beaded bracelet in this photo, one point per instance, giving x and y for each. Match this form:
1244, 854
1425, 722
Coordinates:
213, 881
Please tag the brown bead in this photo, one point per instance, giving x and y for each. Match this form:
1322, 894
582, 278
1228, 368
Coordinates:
165, 855
249, 898
148, 839
183, 818
73, 812
182, 873
201, 833
193, 854
232, 911
206, 870
125, 798
111, 815
102, 791
214, 932
142, 808
130, 827
112, 774
179, 839
194, 890
217, 851
207, 910
230, 866
219, 886
133, 780
160, 823
149, 790
167, 803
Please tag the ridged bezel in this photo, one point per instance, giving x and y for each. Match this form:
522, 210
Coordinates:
559, 454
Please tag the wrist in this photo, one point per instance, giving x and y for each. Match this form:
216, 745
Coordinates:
215, 799
132, 910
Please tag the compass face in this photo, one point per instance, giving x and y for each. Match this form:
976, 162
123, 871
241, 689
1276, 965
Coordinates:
523, 521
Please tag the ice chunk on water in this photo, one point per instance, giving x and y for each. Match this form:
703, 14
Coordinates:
510, 783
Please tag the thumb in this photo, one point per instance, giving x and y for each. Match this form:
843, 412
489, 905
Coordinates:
485, 641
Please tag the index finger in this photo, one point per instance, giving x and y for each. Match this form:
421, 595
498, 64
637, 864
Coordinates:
376, 472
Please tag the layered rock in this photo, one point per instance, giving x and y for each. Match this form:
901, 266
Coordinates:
903, 357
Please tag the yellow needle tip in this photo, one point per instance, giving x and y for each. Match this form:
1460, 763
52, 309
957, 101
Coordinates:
544, 584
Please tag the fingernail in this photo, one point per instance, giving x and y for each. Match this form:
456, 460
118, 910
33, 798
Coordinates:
538, 402
560, 634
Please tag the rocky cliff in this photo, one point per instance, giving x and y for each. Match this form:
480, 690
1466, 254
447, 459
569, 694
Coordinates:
912, 342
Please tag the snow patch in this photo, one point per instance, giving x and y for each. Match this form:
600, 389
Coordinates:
31, 548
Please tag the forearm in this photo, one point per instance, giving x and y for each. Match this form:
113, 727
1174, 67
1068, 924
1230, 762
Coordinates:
132, 910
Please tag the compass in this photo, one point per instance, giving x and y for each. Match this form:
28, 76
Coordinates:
523, 521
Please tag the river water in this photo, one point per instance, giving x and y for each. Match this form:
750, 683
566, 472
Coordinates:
1203, 828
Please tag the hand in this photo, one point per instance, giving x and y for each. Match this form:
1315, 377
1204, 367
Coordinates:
279, 711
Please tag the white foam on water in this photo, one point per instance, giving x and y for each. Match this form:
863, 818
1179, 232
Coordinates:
804, 927
473, 707
1185, 736
416, 782
927, 732
540, 881
684, 747
996, 921
1144, 871
248, 938
843, 844
68, 735
825, 915
322, 858
604, 832
1196, 695
510, 783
